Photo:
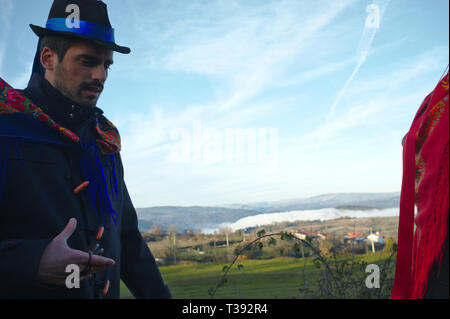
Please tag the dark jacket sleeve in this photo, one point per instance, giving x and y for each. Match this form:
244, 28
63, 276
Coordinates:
19, 265
139, 270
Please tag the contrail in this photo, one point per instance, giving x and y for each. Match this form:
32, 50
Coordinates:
376, 12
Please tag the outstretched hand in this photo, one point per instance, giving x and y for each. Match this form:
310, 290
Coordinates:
57, 255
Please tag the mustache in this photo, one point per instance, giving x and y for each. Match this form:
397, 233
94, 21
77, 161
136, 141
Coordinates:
96, 85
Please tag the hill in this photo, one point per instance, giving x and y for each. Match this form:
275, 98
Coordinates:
369, 200
196, 218
193, 218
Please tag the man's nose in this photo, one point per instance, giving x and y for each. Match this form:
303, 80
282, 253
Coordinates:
99, 74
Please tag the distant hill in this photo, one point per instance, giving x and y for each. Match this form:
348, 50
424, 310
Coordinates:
200, 217
370, 200
194, 218
354, 207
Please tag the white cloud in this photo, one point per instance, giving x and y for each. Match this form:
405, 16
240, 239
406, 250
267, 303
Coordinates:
368, 113
316, 73
377, 99
248, 47
248, 50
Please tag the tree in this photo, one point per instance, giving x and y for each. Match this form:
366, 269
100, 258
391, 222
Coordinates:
331, 245
241, 233
173, 230
389, 244
226, 231
156, 231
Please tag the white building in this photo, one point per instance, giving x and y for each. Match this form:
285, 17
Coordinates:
376, 238
304, 235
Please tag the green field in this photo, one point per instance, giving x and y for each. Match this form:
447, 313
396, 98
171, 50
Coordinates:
258, 279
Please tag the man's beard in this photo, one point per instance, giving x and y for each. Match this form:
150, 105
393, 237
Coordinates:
76, 94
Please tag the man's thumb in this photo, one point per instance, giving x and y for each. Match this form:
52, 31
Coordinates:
68, 230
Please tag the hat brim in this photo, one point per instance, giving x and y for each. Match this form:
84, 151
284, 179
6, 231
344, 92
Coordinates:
40, 32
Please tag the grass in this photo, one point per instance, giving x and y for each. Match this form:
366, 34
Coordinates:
258, 279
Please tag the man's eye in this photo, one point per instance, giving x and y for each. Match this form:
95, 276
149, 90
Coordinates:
88, 63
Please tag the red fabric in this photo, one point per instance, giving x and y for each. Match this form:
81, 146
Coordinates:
425, 184
12, 101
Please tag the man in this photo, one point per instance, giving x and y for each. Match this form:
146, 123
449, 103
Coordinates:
422, 257
64, 205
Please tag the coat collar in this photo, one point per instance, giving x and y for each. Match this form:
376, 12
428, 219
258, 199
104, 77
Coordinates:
60, 108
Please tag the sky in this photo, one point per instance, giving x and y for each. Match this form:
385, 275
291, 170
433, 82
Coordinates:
240, 101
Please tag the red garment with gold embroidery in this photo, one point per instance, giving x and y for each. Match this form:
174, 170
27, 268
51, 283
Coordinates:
425, 184
12, 101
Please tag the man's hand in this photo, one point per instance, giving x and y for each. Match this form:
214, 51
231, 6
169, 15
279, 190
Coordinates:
57, 255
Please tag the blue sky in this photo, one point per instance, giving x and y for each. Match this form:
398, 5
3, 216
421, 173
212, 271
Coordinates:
255, 100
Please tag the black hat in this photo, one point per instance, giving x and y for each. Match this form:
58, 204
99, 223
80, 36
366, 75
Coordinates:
93, 24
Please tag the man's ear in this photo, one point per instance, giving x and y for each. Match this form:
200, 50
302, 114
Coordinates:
49, 59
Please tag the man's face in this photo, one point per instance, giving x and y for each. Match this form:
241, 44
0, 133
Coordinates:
82, 73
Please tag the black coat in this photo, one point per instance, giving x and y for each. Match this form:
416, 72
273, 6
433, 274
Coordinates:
38, 201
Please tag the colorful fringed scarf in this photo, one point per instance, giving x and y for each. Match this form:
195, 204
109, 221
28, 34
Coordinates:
425, 184
21, 121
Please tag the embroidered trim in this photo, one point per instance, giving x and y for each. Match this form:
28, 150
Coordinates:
425, 130
12, 101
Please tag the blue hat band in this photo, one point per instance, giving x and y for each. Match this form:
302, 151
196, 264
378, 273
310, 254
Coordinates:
86, 28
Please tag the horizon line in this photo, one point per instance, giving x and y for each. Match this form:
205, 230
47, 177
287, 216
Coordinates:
271, 201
